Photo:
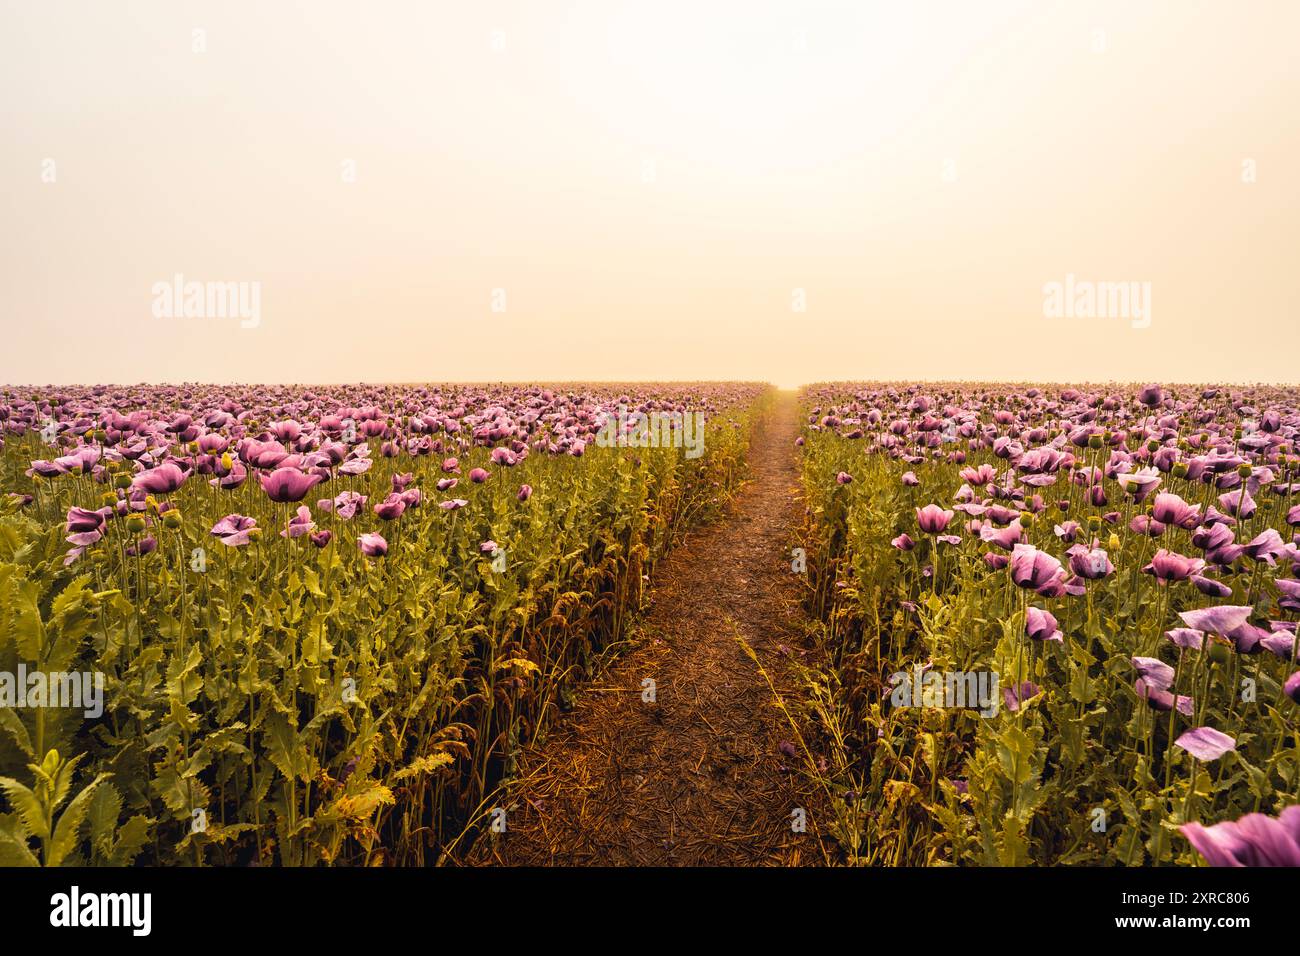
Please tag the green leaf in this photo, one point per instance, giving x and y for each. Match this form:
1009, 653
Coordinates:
27, 806
285, 748
131, 837
9, 721
105, 808
65, 832
13, 846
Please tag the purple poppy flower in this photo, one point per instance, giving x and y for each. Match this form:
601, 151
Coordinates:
903, 543
85, 527
1157, 673
300, 524
1238, 503
348, 503
287, 485
843, 478
932, 519
1169, 566
1247, 638
1186, 637
1292, 687
1038, 570
233, 530
1068, 531
1161, 699
525, 492
1289, 589
1252, 840
146, 545
1040, 625
446, 484
479, 475
909, 479
1170, 509
1266, 547
453, 504
391, 507
1090, 563
372, 545
489, 547
355, 466
451, 465
1281, 643
1211, 587
162, 480
1216, 620
1139, 483
1205, 743
1008, 537
1144, 524
1016, 697
322, 538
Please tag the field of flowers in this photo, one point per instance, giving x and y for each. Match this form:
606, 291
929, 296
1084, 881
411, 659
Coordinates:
325, 620
1108, 571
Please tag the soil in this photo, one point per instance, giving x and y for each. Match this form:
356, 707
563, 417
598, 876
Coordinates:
698, 776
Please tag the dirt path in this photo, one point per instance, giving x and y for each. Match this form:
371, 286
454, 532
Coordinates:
696, 778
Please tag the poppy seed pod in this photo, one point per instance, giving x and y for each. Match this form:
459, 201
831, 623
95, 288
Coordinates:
135, 524
172, 519
122, 481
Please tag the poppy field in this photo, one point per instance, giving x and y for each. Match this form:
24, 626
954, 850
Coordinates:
1059, 624
293, 626
288, 626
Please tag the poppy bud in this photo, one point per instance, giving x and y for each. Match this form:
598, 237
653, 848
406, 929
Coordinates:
226, 461
1114, 542
1220, 649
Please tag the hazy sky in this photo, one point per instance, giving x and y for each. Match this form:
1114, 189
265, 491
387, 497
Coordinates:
651, 190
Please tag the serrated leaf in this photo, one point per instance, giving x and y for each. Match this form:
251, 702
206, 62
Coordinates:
65, 831
27, 806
